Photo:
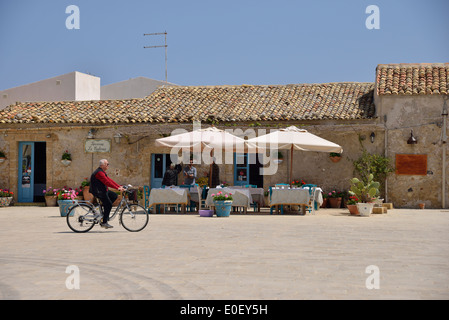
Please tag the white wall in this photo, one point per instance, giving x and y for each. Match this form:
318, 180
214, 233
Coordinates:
67, 87
87, 87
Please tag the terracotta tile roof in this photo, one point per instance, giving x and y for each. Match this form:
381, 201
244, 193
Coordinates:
412, 79
341, 101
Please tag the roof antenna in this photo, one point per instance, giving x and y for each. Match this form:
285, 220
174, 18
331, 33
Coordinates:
164, 46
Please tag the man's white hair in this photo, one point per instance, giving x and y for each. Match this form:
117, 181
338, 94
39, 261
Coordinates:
103, 162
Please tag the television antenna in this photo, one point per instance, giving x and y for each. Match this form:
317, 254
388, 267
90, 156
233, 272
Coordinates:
164, 46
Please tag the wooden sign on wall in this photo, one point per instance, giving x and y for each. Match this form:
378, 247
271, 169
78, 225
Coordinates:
411, 164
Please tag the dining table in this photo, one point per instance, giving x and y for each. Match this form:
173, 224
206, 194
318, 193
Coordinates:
296, 196
241, 196
169, 196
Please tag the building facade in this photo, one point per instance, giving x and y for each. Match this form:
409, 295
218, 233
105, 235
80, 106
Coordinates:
357, 116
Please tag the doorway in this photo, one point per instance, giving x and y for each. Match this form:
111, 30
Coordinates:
160, 162
32, 171
247, 170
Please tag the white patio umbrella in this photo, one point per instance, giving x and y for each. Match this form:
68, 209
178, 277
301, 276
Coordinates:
293, 138
209, 139
200, 139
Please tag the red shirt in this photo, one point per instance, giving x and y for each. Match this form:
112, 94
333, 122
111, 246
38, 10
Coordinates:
106, 180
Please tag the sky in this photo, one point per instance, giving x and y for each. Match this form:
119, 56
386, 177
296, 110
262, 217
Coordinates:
224, 42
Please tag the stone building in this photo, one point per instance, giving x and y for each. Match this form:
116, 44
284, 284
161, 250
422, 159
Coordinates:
377, 117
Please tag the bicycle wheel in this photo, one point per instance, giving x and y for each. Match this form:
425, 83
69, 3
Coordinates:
81, 218
135, 218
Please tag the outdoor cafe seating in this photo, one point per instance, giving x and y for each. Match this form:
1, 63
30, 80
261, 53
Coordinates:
308, 197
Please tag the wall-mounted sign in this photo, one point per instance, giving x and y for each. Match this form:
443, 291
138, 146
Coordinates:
411, 164
97, 146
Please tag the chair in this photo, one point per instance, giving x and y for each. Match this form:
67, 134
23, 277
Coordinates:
308, 186
271, 207
192, 206
312, 204
146, 195
203, 197
254, 204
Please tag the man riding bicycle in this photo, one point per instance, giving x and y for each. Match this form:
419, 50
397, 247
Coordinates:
99, 183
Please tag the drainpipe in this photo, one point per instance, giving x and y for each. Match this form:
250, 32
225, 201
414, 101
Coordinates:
443, 140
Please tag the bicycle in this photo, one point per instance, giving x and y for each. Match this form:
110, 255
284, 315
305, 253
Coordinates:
84, 215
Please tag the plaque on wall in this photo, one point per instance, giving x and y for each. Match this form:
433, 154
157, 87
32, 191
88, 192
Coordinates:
97, 146
411, 164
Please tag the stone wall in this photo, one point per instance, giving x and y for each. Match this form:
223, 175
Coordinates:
422, 114
130, 160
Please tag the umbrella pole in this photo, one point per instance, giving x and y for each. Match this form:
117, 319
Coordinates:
210, 170
291, 165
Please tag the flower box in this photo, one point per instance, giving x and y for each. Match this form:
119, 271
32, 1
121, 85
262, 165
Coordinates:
206, 213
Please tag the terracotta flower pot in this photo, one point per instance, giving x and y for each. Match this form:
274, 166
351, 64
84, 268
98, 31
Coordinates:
335, 202
50, 201
117, 201
335, 159
325, 202
87, 195
353, 209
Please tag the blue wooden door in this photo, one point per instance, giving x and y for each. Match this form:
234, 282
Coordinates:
241, 169
26, 172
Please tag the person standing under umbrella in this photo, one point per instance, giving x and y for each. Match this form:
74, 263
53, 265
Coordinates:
214, 174
171, 175
189, 173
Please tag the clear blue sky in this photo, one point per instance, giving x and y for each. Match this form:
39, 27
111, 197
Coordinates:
218, 42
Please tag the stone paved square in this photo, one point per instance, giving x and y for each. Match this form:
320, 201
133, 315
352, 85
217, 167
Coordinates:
252, 256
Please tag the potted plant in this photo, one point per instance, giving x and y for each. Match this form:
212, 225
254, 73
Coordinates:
119, 198
66, 199
85, 185
66, 158
2, 156
223, 203
334, 199
335, 157
203, 181
365, 192
298, 183
50, 195
6, 197
325, 200
352, 205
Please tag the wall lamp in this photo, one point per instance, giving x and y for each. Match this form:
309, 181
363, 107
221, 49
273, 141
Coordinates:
117, 137
90, 134
372, 136
412, 139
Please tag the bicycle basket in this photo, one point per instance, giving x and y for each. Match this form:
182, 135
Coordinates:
132, 195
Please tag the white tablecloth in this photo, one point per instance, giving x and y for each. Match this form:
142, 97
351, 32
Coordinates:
258, 196
195, 193
318, 197
242, 197
168, 196
296, 196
